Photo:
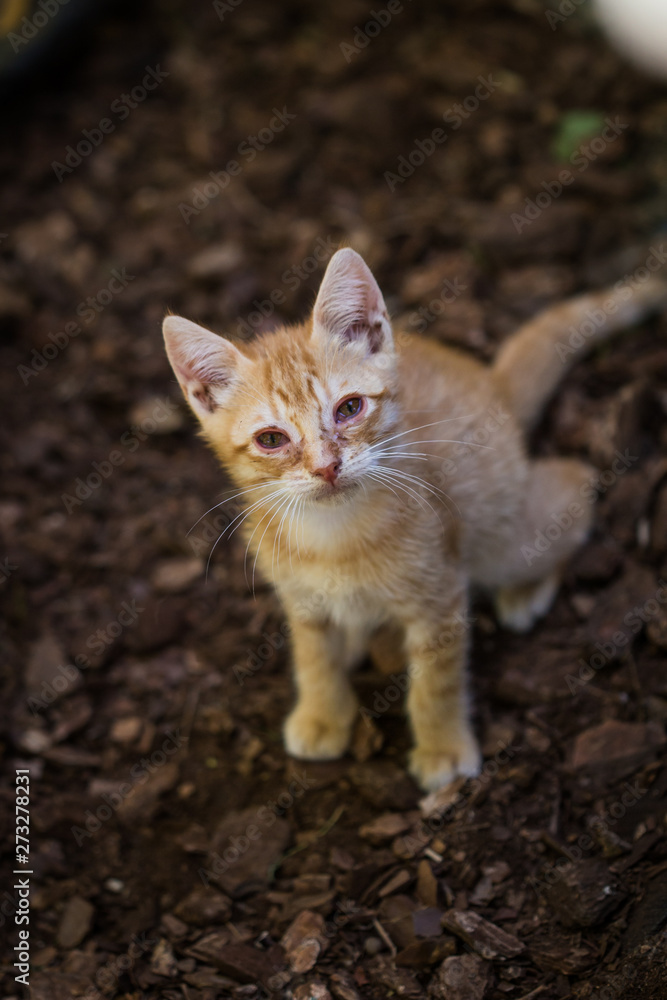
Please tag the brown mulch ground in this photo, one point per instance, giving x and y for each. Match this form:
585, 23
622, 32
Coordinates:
177, 853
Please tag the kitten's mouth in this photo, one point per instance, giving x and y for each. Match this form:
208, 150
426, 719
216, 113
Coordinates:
333, 491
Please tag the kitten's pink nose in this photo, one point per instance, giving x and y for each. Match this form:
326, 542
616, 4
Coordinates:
328, 472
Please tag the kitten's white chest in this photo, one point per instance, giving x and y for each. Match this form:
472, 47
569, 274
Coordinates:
358, 590
336, 595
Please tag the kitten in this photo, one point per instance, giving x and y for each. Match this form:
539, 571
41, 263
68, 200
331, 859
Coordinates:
397, 469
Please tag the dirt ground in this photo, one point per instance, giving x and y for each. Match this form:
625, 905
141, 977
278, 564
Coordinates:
176, 852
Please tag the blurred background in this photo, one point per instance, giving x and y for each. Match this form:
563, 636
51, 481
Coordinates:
488, 158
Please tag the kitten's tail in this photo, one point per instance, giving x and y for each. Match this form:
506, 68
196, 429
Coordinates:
532, 362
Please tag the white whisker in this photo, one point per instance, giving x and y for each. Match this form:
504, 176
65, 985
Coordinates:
276, 541
413, 479
279, 494
421, 455
251, 489
279, 503
243, 515
409, 490
303, 527
472, 444
383, 483
289, 533
412, 430
425, 485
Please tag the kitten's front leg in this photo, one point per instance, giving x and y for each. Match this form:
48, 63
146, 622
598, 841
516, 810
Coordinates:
320, 726
445, 745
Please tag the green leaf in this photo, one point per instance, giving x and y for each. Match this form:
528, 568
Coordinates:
574, 128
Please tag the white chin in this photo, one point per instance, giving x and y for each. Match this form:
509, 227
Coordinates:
332, 494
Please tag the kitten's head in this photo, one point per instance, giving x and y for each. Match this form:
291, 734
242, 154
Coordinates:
302, 407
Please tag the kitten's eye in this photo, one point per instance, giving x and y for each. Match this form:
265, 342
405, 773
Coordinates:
271, 439
349, 408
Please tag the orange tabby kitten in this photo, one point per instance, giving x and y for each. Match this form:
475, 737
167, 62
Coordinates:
397, 469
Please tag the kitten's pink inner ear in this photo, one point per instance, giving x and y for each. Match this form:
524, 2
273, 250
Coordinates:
349, 303
203, 363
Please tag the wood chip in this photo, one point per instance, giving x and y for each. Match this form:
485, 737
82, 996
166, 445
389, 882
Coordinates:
203, 907
143, 801
163, 962
428, 951
342, 986
461, 977
395, 981
311, 991
483, 937
395, 912
427, 884
395, 883
246, 964
558, 953
440, 801
75, 922
126, 729
171, 576
650, 914
250, 845
385, 827
585, 893
46, 659
616, 747
305, 940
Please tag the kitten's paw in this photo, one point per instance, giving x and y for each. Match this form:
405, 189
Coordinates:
518, 608
433, 769
316, 737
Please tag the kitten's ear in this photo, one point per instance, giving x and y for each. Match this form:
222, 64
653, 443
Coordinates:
204, 364
349, 303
